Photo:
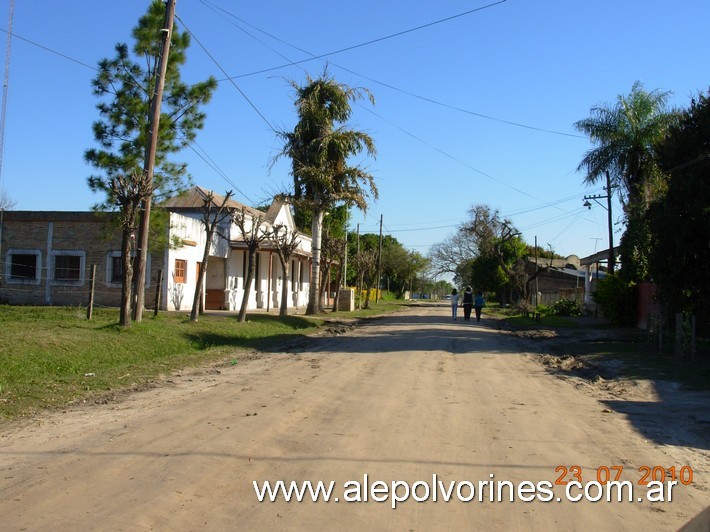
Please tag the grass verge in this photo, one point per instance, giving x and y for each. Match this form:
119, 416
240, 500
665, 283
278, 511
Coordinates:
52, 356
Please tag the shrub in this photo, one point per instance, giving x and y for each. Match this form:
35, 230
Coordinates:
565, 307
524, 307
616, 299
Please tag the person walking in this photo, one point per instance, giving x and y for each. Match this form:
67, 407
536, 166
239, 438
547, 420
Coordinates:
454, 303
467, 303
478, 304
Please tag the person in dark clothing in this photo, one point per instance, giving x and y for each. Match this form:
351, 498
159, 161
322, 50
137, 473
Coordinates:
467, 303
478, 304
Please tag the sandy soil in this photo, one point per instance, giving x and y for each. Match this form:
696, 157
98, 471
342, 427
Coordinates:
400, 398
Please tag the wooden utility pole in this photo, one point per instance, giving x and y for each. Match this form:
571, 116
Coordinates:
379, 266
612, 259
155, 105
358, 279
536, 276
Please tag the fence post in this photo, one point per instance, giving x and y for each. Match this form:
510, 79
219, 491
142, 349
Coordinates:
90, 308
158, 290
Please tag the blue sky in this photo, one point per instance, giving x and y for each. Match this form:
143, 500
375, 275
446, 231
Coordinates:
541, 65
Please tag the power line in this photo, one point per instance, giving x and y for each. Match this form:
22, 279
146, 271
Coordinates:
379, 116
360, 45
387, 85
50, 50
225, 73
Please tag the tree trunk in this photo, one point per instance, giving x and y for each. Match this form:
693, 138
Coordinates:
325, 282
125, 315
197, 307
338, 282
286, 267
314, 303
247, 286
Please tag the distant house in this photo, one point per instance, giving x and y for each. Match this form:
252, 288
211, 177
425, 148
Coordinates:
48, 257
561, 279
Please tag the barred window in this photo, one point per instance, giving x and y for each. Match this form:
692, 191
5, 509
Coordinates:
67, 267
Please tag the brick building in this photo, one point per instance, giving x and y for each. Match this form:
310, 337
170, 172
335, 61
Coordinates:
47, 258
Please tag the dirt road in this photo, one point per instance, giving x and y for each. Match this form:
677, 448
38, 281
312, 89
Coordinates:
402, 398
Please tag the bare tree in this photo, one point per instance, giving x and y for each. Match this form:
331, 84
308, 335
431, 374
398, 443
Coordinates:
366, 263
6, 202
127, 193
285, 244
332, 250
447, 256
212, 216
254, 236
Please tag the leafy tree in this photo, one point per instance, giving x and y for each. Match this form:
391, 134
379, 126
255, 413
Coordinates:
319, 148
498, 239
625, 135
485, 274
680, 221
126, 86
616, 298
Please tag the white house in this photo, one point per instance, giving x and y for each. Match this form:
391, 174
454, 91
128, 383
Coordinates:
227, 263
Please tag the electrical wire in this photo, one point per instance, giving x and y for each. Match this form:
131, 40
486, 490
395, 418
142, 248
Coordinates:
212, 58
383, 84
367, 43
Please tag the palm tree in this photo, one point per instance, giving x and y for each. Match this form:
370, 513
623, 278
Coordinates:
626, 135
319, 148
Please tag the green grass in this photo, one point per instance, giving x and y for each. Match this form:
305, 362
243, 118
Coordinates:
51, 356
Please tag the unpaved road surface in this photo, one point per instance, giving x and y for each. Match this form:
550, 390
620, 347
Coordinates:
402, 398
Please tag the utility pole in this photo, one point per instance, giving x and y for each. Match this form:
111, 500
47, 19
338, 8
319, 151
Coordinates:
345, 254
536, 274
155, 105
379, 266
358, 281
611, 259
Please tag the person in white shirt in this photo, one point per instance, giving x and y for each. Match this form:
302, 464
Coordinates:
454, 303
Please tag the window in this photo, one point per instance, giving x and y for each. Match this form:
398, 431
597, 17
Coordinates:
116, 276
114, 269
68, 266
180, 271
23, 266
